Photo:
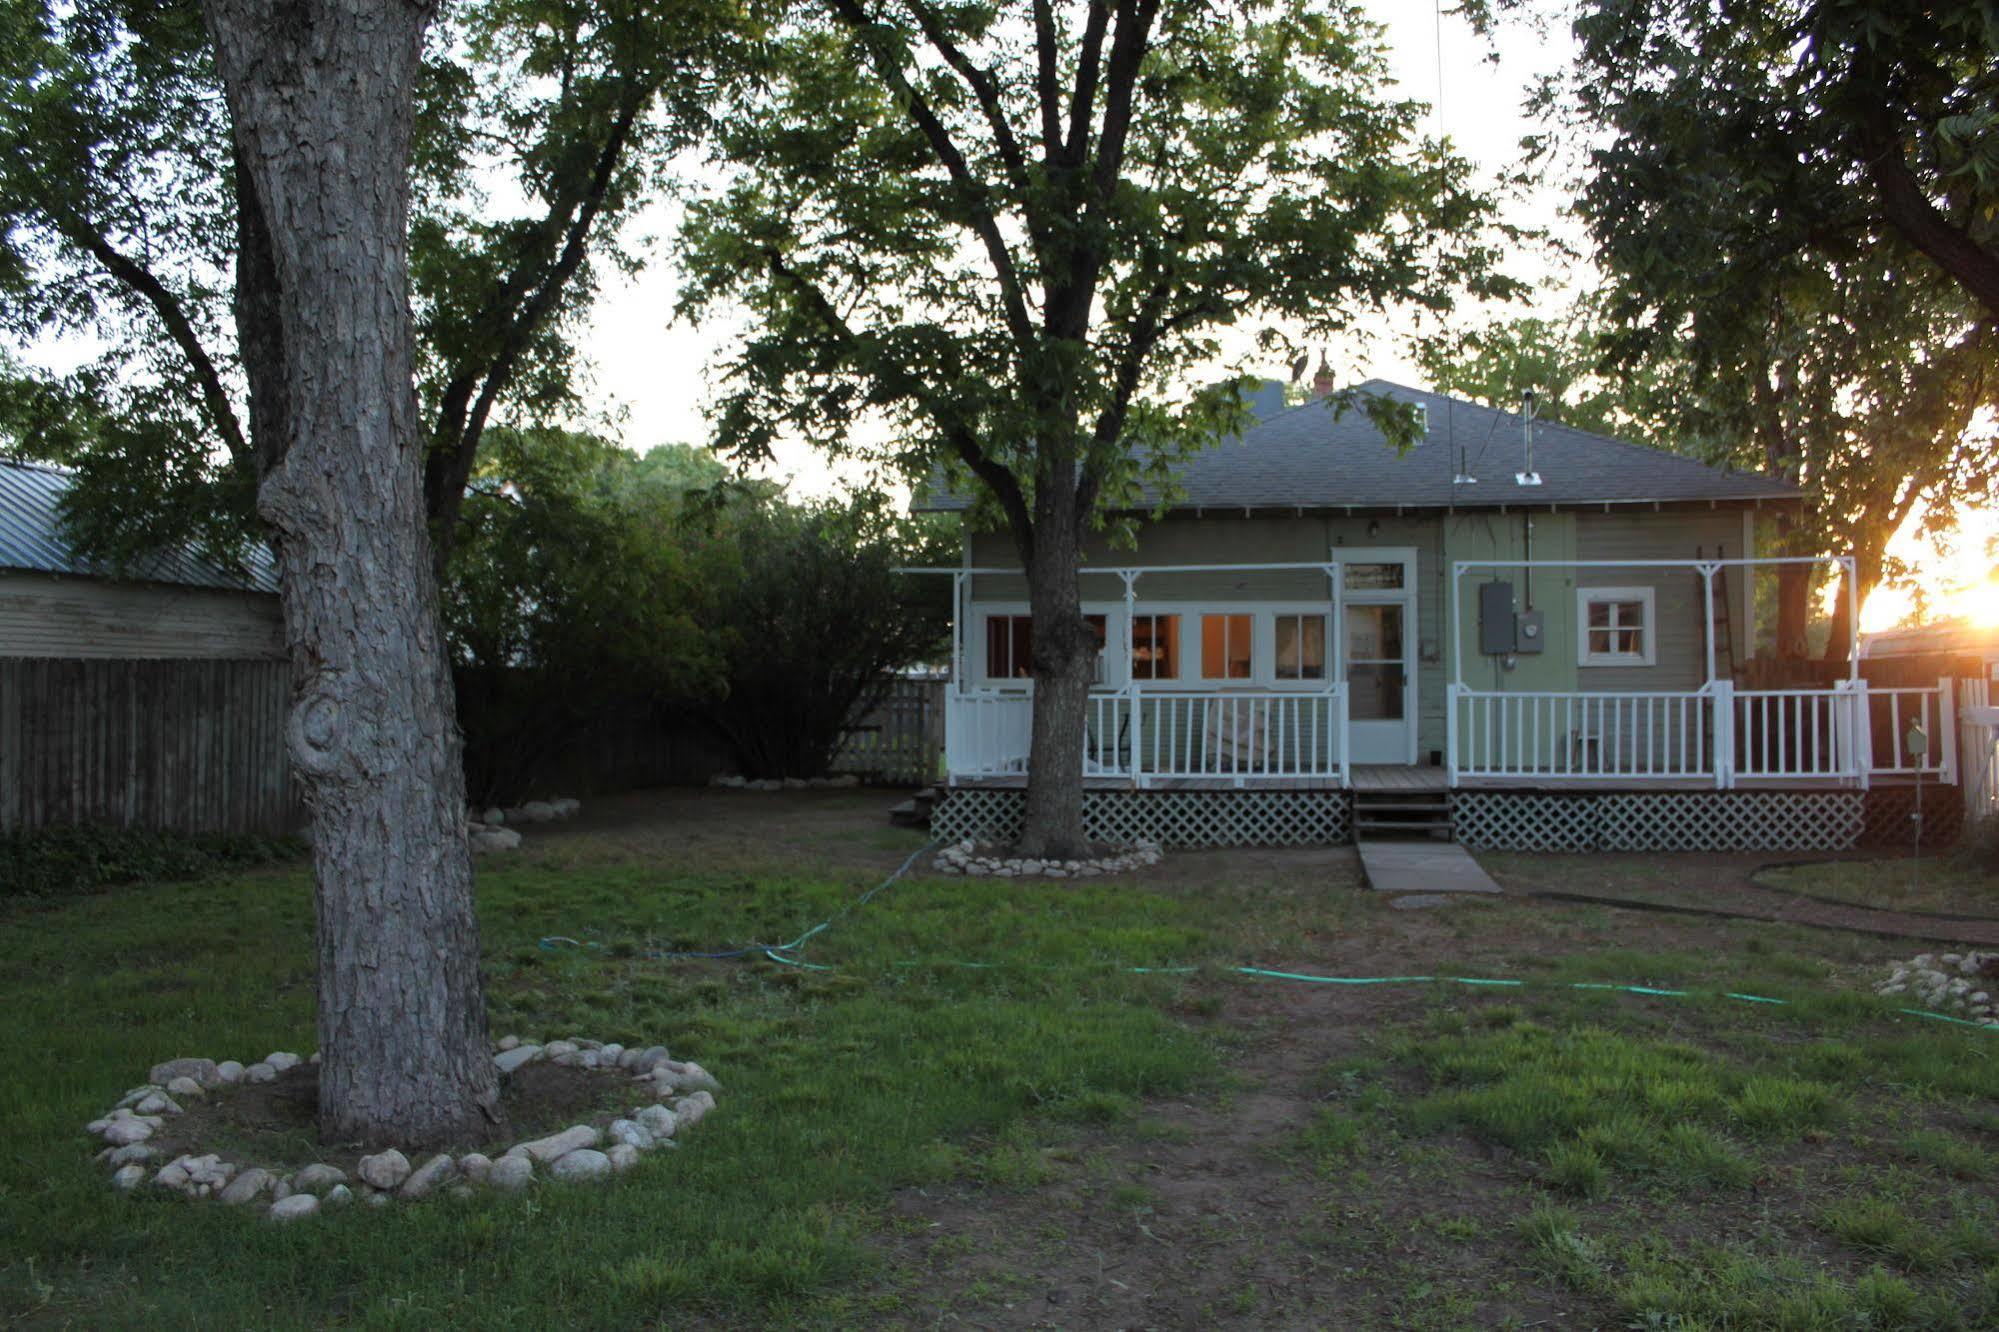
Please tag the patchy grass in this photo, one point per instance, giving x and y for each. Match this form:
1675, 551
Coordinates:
1951, 884
1154, 1149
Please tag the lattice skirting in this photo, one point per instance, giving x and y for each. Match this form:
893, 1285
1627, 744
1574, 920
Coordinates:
1171, 818
1889, 808
1659, 820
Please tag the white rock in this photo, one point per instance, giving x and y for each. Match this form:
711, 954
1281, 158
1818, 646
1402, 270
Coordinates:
612, 1054
384, 1170
566, 808
538, 811
622, 1156
378, 1199
132, 1153
281, 1189
159, 1103
691, 1110
337, 1196
127, 1178
475, 1166
659, 1121
229, 1071
201, 1070
509, 1060
511, 1173
432, 1175
507, 1043
631, 1133
173, 1176
318, 1177
246, 1186
123, 1132
493, 815
260, 1073
295, 1208
583, 1163
556, 1049
283, 1060
188, 1086
136, 1095
558, 1145
495, 839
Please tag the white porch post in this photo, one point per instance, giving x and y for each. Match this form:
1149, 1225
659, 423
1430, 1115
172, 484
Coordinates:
957, 717
1130, 577
1722, 697
1335, 629
1456, 685
1852, 618
1707, 633
1947, 731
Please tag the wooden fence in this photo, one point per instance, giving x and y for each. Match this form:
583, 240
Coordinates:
183, 745
901, 740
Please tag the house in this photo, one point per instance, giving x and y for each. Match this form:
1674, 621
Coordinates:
155, 697
1527, 633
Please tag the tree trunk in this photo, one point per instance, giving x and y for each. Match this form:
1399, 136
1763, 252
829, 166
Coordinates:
1063, 651
1794, 606
322, 96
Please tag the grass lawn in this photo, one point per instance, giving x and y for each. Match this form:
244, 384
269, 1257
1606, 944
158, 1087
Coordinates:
1049, 1138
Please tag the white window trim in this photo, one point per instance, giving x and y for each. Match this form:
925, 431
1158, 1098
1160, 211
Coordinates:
1263, 650
1646, 597
982, 613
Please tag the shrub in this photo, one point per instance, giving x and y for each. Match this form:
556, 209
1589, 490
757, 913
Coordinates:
81, 858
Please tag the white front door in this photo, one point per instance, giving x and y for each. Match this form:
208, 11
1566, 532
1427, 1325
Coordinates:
1377, 639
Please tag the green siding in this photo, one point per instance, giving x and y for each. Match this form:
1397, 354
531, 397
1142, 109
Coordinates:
1438, 540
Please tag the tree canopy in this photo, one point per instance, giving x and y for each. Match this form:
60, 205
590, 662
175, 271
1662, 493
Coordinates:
540, 128
1005, 239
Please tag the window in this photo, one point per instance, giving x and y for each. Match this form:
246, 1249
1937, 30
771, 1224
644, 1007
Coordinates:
1155, 647
1010, 646
1616, 626
1301, 647
1385, 576
1225, 647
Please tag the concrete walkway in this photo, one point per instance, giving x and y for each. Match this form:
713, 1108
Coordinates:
1422, 867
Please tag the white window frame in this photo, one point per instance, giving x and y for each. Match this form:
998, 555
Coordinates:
1648, 600
983, 613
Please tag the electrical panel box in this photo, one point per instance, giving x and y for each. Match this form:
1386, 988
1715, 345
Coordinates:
1496, 636
1529, 632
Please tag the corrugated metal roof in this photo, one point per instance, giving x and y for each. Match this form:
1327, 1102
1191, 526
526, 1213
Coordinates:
31, 538
1307, 457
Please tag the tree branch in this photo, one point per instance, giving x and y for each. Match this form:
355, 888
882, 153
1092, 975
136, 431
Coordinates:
902, 384
1089, 64
1910, 212
139, 280
973, 192
519, 308
983, 88
1047, 80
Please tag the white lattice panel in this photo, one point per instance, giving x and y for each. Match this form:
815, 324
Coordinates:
1525, 821
1659, 820
1171, 818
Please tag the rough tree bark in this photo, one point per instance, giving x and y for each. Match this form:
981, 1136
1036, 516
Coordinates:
1052, 826
322, 96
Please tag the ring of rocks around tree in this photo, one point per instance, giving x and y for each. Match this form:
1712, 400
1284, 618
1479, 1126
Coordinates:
1959, 984
977, 860
676, 1095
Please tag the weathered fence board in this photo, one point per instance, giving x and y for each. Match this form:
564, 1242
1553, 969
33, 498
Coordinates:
184, 745
901, 739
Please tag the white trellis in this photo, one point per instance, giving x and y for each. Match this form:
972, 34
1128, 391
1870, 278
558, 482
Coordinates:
1171, 818
1659, 820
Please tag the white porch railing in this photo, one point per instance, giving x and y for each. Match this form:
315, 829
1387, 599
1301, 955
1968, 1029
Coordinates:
1581, 735
1139, 736
1847, 733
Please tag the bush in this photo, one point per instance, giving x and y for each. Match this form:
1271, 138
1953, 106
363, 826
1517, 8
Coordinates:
81, 858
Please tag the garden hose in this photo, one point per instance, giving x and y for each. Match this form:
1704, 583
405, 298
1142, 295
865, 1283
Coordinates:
782, 954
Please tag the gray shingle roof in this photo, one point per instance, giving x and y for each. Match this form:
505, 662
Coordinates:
1306, 457
31, 538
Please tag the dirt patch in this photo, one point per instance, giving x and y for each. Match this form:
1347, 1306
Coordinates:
274, 1124
1208, 1213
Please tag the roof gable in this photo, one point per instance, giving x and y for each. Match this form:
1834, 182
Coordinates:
1309, 457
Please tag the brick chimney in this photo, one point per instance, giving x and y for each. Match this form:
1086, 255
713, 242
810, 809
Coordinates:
1322, 378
